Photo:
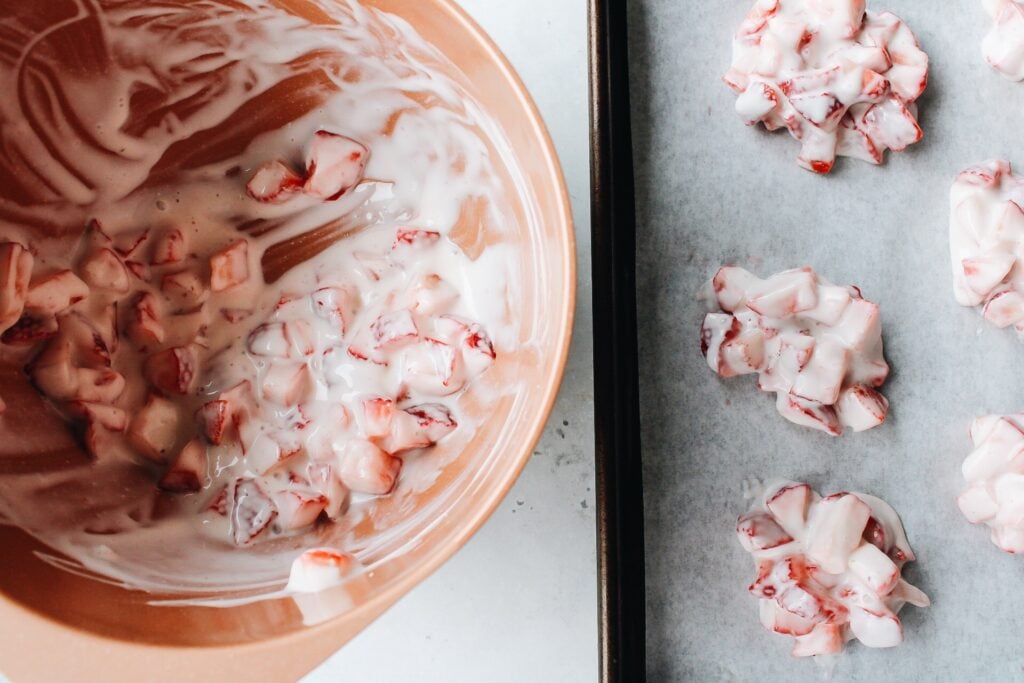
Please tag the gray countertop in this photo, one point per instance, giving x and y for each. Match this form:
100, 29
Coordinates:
518, 603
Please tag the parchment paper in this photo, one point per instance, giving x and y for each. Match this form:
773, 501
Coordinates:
712, 191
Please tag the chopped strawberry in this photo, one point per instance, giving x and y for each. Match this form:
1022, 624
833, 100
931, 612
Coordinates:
337, 305
143, 325
173, 370
230, 266
154, 429
418, 239
274, 182
252, 511
188, 471
16, 264
55, 294
394, 329
334, 165
287, 384
103, 269
30, 330
214, 417
184, 289
170, 247
365, 468
298, 509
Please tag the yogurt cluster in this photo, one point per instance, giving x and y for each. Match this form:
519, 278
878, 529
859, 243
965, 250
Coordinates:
995, 476
843, 81
818, 346
1004, 45
828, 569
986, 234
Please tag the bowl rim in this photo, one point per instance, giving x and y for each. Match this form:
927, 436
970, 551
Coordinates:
380, 602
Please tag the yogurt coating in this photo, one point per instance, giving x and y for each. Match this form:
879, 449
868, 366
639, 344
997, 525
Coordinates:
994, 471
828, 569
235, 420
842, 80
986, 236
818, 346
1003, 46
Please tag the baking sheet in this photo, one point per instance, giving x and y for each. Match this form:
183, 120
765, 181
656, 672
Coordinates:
712, 191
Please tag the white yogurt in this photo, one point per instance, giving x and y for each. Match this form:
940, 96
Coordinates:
842, 81
828, 569
270, 413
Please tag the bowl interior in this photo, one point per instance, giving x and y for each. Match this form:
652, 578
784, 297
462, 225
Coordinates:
409, 535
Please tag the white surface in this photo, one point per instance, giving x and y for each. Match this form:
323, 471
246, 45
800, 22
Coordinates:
518, 603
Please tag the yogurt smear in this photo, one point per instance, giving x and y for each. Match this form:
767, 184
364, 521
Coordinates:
828, 569
842, 80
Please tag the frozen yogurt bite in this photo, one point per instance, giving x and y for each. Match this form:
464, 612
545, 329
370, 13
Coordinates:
816, 345
842, 80
829, 570
1003, 47
986, 236
219, 407
994, 471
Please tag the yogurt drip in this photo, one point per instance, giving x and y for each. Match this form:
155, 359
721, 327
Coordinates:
842, 81
271, 411
828, 569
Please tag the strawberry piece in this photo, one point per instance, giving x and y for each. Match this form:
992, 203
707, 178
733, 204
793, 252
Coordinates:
55, 294
337, 305
377, 416
429, 367
170, 247
434, 419
173, 370
16, 264
365, 468
252, 512
415, 239
395, 329
432, 295
834, 530
298, 509
154, 429
759, 531
789, 507
103, 269
143, 325
287, 384
187, 473
30, 330
274, 183
334, 165
230, 266
184, 289
52, 371
214, 417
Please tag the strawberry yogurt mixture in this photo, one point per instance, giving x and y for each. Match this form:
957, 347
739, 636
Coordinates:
227, 399
842, 80
995, 479
1003, 47
986, 234
828, 569
818, 346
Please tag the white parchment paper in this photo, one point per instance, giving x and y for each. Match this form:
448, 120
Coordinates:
712, 191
